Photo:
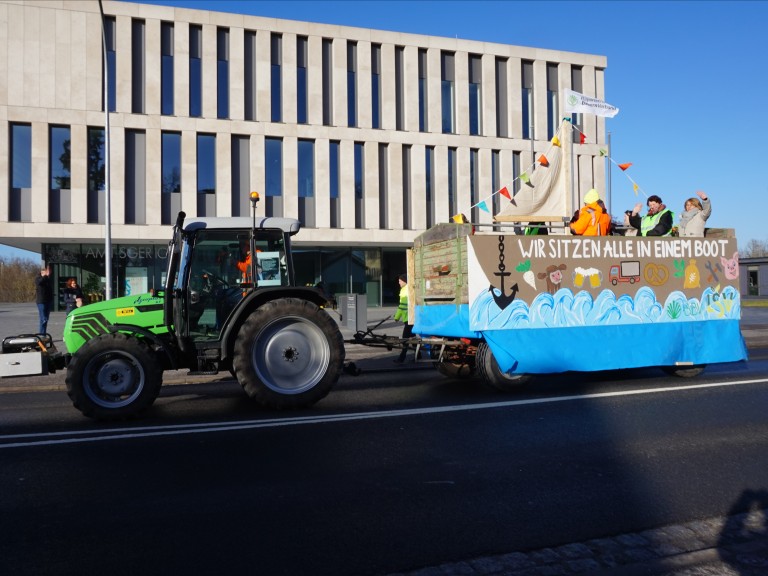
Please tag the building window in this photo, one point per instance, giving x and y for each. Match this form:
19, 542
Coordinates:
399, 87
333, 170
306, 183
527, 84
407, 224
475, 94
166, 68
20, 198
447, 75
109, 33
502, 108
577, 119
430, 184
170, 158
59, 200
327, 82
135, 177
552, 113
516, 171
96, 166
273, 166
496, 182
474, 183
359, 185
138, 68
452, 194
206, 175
276, 76
249, 77
241, 175
423, 100
352, 84
196, 71
222, 73
302, 93
383, 186
376, 85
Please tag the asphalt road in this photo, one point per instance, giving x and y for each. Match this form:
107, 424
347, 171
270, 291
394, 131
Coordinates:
393, 472
397, 471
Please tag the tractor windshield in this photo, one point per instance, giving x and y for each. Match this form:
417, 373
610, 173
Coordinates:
218, 271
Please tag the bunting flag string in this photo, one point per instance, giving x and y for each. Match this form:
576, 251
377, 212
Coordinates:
543, 161
623, 167
524, 176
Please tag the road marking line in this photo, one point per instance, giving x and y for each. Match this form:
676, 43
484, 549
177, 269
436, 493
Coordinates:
81, 436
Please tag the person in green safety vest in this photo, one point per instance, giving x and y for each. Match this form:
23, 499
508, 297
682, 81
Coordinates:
657, 222
401, 315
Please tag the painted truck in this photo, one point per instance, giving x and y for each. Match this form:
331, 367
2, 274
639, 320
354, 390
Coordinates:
509, 306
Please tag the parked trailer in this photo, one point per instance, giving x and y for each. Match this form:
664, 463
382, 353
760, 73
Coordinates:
511, 306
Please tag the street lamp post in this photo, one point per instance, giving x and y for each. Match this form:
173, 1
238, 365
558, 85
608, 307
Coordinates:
107, 199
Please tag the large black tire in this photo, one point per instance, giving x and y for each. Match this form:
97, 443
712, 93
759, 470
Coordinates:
492, 374
685, 371
289, 354
113, 377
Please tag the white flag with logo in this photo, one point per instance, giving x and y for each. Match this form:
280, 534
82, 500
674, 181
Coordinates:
575, 102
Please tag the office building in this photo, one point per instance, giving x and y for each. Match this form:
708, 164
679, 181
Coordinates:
368, 137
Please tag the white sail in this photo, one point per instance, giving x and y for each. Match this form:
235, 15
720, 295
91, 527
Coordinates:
546, 197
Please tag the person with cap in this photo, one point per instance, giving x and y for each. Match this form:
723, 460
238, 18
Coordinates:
401, 315
657, 222
591, 220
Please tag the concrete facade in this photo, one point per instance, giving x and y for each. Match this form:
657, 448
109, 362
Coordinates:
51, 75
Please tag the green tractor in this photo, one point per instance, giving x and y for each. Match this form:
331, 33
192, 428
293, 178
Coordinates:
229, 304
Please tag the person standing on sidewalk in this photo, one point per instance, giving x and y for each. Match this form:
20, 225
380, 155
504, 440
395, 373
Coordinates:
44, 298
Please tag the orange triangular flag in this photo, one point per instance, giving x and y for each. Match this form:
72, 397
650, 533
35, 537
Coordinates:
582, 137
505, 192
543, 160
625, 166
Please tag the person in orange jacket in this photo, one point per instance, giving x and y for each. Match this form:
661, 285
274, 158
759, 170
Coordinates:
592, 219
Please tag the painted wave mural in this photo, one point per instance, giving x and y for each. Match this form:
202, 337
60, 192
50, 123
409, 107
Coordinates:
566, 309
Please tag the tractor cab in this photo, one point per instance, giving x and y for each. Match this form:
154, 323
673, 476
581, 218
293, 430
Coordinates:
215, 264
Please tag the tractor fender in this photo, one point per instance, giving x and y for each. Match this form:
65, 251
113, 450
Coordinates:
154, 338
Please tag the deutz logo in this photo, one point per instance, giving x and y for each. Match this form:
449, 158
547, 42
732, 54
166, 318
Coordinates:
125, 311
573, 100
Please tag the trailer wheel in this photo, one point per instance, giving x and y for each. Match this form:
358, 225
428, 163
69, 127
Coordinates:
113, 376
289, 354
684, 371
455, 369
493, 376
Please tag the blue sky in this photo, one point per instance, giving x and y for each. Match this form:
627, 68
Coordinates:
689, 79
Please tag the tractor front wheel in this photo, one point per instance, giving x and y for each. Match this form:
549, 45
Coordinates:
113, 376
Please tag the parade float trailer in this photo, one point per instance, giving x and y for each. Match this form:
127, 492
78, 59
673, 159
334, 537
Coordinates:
508, 305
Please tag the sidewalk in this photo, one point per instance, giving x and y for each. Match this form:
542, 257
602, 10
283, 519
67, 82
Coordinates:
22, 318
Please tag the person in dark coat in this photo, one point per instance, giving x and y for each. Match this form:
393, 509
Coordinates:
73, 295
44, 298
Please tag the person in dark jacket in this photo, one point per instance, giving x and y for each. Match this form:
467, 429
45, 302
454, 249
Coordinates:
73, 295
44, 298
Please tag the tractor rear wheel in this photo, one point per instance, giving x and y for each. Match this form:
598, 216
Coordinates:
289, 354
